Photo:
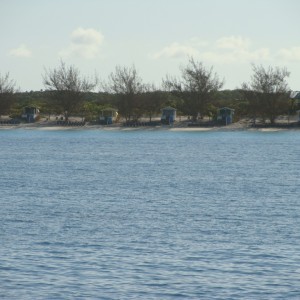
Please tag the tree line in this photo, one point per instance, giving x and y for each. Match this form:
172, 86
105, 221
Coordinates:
197, 93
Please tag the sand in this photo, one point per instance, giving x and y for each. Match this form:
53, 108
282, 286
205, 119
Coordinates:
178, 127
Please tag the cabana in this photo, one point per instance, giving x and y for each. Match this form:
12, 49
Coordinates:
168, 115
108, 116
298, 112
296, 95
225, 115
30, 113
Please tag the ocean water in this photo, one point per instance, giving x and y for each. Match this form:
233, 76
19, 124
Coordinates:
149, 215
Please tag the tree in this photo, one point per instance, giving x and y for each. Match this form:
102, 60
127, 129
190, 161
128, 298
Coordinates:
7, 93
197, 86
127, 84
152, 101
267, 93
67, 88
91, 110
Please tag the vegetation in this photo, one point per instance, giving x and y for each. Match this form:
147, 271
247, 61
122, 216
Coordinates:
127, 85
267, 93
196, 93
197, 87
67, 88
7, 93
152, 100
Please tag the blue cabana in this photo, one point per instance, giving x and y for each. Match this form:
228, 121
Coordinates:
108, 116
168, 115
30, 113
296, 95
225, 115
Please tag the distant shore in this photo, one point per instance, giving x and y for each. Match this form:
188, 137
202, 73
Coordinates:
177, 126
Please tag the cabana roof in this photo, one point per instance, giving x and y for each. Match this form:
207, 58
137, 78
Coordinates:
225, 108
31, 106
295, 95
168, 108
109, 109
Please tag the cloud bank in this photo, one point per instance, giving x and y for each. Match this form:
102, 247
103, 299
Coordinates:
290, 54
175, 50
22, 51
84, 43
226, 50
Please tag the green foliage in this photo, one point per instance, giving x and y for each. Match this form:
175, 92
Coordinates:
67, 88
7, 93
151, 103
197, 86
128, 86
91, 110
265, 97
267, 93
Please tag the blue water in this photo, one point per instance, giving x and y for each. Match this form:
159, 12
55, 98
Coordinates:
149, 215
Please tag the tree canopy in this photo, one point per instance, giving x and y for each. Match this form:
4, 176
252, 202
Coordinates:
196, 92
67, 87
197, 86
127, 84
7, 92
267, 92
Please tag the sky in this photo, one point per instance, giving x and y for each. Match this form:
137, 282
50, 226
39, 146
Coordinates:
156, 36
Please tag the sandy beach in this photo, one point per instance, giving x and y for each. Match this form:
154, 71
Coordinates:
177, 126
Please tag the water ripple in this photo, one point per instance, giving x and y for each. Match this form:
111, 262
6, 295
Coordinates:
149, 215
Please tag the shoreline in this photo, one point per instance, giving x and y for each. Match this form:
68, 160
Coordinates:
178, 127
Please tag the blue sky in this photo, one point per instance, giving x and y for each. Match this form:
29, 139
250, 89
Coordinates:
156, 36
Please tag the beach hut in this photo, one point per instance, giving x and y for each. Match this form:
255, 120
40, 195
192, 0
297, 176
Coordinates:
298, 112
225, 115
30, 113
108, 116
168, 115
296, 95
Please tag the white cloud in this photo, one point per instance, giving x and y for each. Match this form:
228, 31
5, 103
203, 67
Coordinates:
175, 50
237, 49
236, 56
233, 42
21, 51
224, 50
290, 54
84, 43
198, 42
88, 36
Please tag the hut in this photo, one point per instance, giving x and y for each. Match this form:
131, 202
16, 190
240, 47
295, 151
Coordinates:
30, 113
225, 115
298, 112
296, 95
108, 116
168, 115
